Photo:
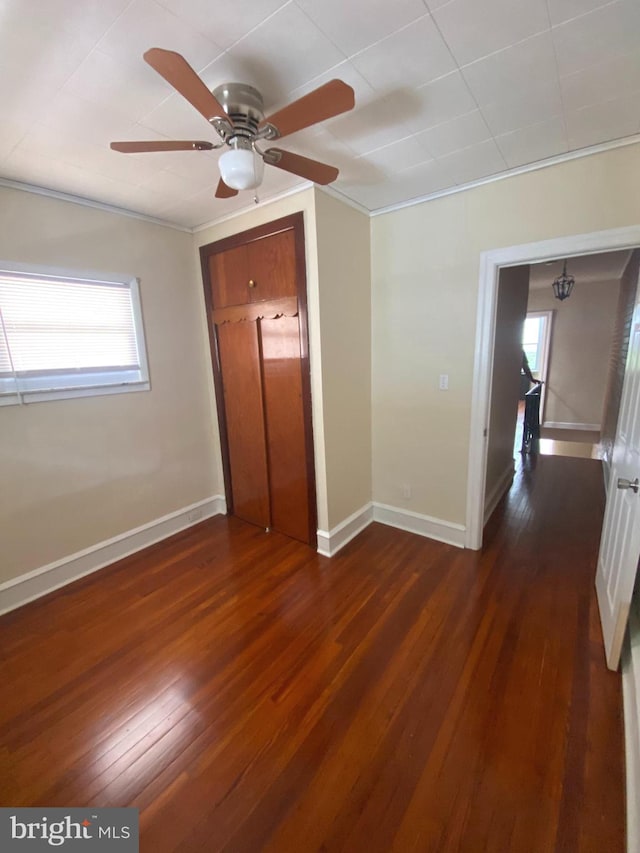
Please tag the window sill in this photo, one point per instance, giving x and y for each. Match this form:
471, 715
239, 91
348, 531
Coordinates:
28, 397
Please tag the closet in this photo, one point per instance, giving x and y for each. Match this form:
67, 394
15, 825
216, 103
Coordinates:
255, 292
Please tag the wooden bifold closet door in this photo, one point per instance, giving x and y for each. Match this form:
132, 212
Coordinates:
256, 300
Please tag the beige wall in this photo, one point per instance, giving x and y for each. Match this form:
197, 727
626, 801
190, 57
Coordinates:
581, 336
345, 322
513, 290
77, 472
425, 271
338, 291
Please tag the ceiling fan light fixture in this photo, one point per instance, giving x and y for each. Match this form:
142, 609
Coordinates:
241, 168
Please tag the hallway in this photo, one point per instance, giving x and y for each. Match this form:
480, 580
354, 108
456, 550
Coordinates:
579, 444
248, 695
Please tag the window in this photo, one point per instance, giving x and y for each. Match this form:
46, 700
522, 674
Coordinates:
536, 338
68, 335
532, 339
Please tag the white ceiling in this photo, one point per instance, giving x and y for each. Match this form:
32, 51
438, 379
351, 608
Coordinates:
447, 91
605, 266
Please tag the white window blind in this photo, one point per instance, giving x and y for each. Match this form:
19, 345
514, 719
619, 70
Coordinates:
68, 336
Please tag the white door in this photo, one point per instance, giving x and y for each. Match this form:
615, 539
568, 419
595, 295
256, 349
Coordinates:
620, 543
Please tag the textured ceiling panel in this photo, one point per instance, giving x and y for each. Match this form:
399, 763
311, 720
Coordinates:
447, 91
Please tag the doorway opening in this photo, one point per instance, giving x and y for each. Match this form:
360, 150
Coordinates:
553, 363
492, 263
576, 348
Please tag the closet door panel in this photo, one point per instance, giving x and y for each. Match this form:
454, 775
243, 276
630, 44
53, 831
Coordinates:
244, 409
272, 266
286, 448
229, 277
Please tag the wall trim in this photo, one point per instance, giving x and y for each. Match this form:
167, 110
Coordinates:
511, 173
331, 541
631, 699
490, 263
423, 525
568, 425
328, 189
88, 202
499, 490
18, 591
489, 179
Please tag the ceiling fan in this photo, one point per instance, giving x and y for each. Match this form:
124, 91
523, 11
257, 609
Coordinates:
236, 112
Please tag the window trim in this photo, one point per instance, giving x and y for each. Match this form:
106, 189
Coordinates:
92, 388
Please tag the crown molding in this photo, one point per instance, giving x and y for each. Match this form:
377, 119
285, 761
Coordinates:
87, 202
331, 191
242, 211
511, 173
339, 196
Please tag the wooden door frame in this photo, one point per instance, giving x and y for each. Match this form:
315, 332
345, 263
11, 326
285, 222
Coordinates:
490, 264
294, 222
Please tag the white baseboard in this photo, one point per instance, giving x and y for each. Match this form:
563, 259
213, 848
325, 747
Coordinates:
331, 541
631, 695
563, 425
423, 525
18, 591
499, 490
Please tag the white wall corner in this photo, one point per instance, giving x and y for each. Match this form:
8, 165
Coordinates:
18, 591
423, 525
631, 695
331, 541
499, 491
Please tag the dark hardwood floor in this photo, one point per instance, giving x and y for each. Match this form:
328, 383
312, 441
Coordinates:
249, 695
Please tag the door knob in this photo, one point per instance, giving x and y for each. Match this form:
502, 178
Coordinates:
252, 283
634, 485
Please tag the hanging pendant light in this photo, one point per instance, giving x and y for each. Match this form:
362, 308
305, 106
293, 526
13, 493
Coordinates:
563, 285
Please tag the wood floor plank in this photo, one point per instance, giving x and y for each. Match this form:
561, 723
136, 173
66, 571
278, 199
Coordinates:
247, 694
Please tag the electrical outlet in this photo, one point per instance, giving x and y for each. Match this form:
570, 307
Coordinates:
195, 515
406, 491
444, 381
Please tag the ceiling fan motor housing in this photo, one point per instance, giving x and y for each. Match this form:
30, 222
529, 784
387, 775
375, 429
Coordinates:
244, 106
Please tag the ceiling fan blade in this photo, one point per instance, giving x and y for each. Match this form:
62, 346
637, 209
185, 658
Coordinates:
175, 145
330, 100
176, 70
313, 170
223, 191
